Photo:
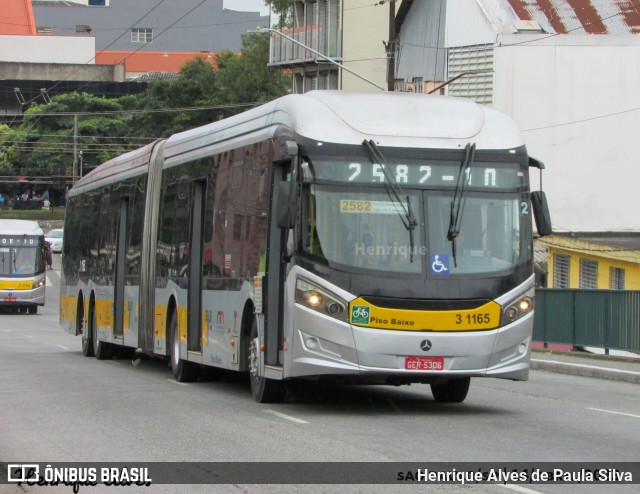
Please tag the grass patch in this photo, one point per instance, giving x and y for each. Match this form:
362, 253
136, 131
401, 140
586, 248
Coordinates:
32, 214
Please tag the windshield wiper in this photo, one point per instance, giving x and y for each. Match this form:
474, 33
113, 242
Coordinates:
459, 199
394, 191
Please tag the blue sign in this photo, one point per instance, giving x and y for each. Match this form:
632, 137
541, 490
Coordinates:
439, 263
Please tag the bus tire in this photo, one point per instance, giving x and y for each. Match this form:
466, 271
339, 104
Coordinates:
263, 390
33, 309
101, 349
453, 391
183, 370
82, 328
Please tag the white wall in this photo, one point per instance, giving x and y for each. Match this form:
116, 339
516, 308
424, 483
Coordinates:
48, 49
577, 100
466, 24
365, 27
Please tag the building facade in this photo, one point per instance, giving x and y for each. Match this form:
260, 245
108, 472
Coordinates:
147, 35
567, 73
594, 261
353, 34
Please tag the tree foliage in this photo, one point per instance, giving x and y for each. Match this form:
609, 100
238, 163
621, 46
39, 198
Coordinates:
283, 9
43, 144
245, 78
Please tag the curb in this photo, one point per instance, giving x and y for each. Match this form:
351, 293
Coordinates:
586, 370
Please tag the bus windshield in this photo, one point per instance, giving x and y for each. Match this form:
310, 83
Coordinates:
364, 226
20, 261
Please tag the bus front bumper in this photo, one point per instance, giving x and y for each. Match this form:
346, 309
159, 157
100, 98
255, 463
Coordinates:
410, 356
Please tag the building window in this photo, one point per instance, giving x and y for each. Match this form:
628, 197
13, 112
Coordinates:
417, 85
83, 28
99, 3
141, 35
43, 31
588, 273
561, 271
616, 276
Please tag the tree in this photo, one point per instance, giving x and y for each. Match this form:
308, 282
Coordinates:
195, 87
283, 9
246, 78
43, 144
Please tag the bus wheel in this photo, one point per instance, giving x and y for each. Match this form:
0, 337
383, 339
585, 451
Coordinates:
81, 327
101, 349
183, 370
263, 390
33, 309
453, 391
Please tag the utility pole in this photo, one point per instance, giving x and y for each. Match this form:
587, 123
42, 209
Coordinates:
75, 147
391, 47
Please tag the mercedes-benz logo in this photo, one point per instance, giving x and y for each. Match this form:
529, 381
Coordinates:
425, 345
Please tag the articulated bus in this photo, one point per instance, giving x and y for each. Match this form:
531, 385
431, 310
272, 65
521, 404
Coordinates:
330, 236
22, 266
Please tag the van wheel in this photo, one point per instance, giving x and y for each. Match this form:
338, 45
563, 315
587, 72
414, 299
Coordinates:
453, 391
263, 390
183, 370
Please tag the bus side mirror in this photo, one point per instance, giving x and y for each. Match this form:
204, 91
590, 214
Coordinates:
287, 204
541, 213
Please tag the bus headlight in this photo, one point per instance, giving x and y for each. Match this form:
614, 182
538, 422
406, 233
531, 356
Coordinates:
520, 307
314, 297
38, 283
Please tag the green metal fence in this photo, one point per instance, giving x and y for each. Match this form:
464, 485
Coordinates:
608, 319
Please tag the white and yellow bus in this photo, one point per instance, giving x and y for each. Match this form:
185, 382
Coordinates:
373, 238
22, 266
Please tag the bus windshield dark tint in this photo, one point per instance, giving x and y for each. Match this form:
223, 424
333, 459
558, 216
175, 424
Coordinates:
364, 228
361, 229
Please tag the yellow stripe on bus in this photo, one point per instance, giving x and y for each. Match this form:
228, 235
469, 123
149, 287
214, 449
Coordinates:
362, 313
16, 285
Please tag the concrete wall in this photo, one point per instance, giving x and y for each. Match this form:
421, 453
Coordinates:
576, 99
61, 72
365, 27
47, 49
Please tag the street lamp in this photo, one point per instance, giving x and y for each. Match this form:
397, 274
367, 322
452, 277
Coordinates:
324, 57
80, 153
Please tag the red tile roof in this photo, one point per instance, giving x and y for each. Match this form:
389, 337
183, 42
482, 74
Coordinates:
16, 18
151, 61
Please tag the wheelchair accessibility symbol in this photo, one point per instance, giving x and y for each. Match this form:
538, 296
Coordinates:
439, 264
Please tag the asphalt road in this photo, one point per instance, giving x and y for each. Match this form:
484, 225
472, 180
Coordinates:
59, 406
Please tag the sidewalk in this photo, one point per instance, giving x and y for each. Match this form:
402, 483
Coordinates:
587, 364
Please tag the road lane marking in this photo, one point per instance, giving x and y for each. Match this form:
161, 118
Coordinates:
63, 347
517, 488
178, 382
614, 412
286, 417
